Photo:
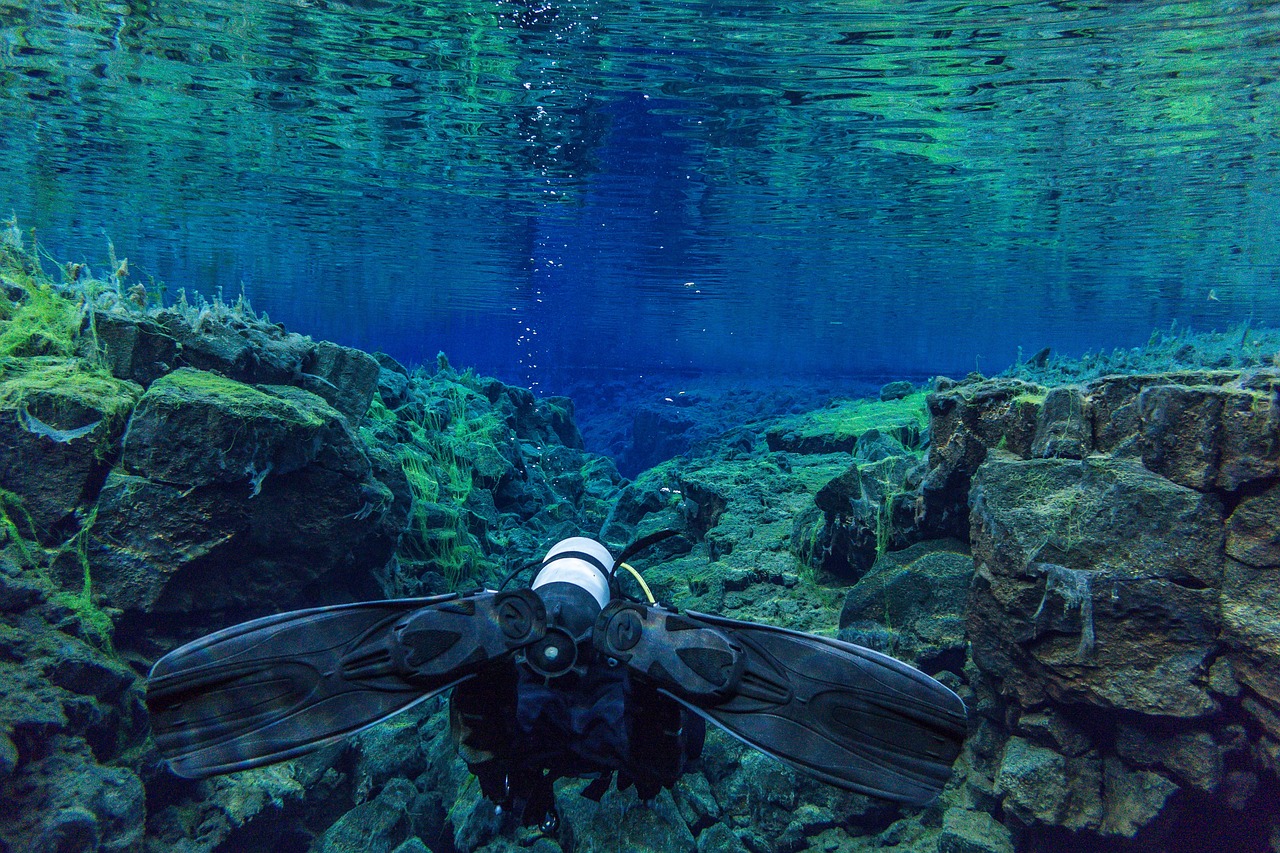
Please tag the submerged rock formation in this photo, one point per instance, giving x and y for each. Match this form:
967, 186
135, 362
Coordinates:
1122, 615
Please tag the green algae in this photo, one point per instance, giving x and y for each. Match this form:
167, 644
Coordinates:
292, 405
12, 504
840, 425
95, 622
65, 389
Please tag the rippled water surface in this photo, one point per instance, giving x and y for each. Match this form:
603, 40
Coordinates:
535, 187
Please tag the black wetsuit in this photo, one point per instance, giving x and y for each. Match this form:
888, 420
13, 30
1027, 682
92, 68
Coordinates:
518, 735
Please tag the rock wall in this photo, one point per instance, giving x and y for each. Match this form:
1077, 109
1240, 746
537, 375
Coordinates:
1122, 616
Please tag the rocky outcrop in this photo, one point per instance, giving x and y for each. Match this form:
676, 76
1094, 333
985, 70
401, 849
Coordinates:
1122, 610
264, 488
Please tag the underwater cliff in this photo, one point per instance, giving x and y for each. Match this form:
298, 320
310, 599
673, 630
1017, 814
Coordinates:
1086, 551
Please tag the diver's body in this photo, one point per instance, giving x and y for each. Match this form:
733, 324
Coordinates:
519, 735
566, 678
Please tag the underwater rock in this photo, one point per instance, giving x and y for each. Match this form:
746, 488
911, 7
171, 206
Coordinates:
346, 378
194, 428
911, 605
866, 511
1251, 632
964, 423
1062, 425
1253, 529
84, 805
135, 348
965, 831
270, 484
1132, 799
897, 390
621, 821
658, 432
1206, 437
231, 341
393, 381
1097, 582
718, 838
378, 826
60, 428
837, 428
1041, 786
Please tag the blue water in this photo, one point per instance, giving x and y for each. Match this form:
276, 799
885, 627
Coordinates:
555, 190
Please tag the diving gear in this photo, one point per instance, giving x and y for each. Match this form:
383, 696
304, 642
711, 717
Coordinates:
566, 678
574, 584
280, 686
579, 561
850, 716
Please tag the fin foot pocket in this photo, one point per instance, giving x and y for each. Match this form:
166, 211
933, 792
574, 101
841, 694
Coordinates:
697, 662
278, 687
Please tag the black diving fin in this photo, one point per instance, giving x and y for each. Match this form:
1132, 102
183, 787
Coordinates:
847, 715
280, 686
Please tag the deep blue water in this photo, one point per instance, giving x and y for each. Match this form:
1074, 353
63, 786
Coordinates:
554, 190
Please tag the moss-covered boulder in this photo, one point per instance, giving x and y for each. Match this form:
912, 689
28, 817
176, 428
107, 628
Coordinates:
235, 496
61, 421
838, 427
1097, 582
911, 605
194, 428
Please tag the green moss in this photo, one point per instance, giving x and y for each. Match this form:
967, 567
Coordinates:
66, 393
188, 385
11, 505
41, 322
845, 421
1029, 398
97, 624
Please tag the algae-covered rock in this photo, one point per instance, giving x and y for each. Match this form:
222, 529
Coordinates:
1207, 436
232, 341
1251, 630
60, 426
346, 378
1253, 530
966, 422
838, 427
267, 484
193, 428
1132, 799
135, 348
911, 605
378, 826
83, 805
965, 831
1062, 425
1097, 581
621, 821
1041, 786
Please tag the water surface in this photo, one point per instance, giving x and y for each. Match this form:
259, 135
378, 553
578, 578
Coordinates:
546, 188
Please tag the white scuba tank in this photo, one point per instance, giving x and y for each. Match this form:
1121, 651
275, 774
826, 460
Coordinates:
577, 570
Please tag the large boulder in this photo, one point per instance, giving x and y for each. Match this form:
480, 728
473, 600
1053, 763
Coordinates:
60, 428
230, 495
1097, 582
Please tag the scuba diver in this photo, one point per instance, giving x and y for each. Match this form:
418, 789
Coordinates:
570, 677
